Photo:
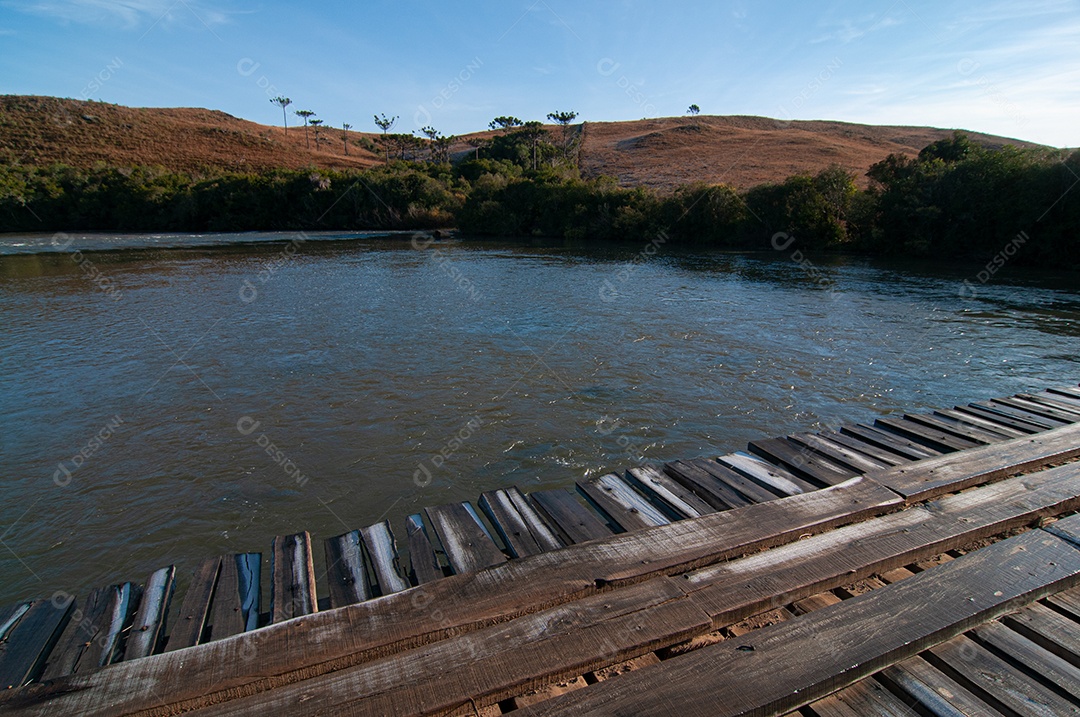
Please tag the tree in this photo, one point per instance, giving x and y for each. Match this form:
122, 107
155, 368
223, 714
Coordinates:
345, 126
693, 110
563, 119
504, 123
305, 114
534, 133
283, 102
316, 123
477, 143
385, 123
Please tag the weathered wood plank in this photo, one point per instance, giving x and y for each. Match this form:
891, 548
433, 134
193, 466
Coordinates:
921, 434
773, 477
226, 615
365, 631
651, 480
938, 694
495, 663
854, 444
422, 559
800, 461
29, 634
147, 634
749, 487
996, 681
382, 555
836, 646
1036, 661
841, 455
622, 503
346, 574
467, 545
957, 428
563, 511
934, 476
509, 524
1011, 421
1065, 414
1070, 392
891, 442
716, 493
865, 698
1048, 629
92, 636
971, 419
543, 534
292, 586
1018, 413
1062, 403
1066, 601
194, 610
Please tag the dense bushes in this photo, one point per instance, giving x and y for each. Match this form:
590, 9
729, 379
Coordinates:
954, 199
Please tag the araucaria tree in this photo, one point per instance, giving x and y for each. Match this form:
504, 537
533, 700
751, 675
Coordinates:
563, 119
316, 123
305, 114
693, 110
505, 123
345, 126
385, 123
283, 102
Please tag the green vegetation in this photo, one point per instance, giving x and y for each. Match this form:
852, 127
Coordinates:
955, 199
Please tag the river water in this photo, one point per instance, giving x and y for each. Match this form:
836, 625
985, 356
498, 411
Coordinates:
162, 405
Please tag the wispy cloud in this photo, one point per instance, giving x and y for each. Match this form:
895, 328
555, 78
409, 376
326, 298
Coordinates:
129, 14
850, 30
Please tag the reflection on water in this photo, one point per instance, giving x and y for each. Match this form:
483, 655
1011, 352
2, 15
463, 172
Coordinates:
364, 378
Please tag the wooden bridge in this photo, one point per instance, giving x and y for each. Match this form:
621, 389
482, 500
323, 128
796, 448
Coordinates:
925, 564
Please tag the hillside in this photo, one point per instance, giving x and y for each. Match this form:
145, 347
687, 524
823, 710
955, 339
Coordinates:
661, 153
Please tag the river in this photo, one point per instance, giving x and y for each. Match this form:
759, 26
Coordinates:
167, 398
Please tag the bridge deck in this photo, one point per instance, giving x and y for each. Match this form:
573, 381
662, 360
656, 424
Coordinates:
671, 574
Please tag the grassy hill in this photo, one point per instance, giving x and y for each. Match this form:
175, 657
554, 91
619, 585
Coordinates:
661, 153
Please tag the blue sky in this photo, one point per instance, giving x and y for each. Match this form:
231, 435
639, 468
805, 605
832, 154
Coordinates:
1008, 68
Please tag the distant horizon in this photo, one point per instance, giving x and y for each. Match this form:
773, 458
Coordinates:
999, 68
297, 122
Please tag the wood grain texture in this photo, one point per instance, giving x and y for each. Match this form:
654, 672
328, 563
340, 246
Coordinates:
423, 562
623, 504
466, 544
773, 477
800, 460
194, 610
890, 441
32, 631
934, 476
660, 486
346, 573
325, 642
836, 646
575, 522
292, 582
147, 634
382, 556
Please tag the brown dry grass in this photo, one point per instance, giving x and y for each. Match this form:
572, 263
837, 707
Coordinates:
661, 153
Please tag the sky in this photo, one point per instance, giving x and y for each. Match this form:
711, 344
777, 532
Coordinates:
1005, 68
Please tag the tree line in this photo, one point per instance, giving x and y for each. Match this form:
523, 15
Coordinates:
955, 199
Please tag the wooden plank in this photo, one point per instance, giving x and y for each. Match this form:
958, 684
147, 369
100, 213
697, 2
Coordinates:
854, 444
1040, 422
147, 634
226, 615
865, 698
191, 620
957, 428
1016, 423
1046, 398
1021, 411
423, 561
936, 693
1067, 391
800, 461
496, 663
382, 555
31, 631
1066, 601
971, 419
509, 524
92, 636
996, 681
346, 574
543, 534
853, 461
563, 511
1066, 414
921, 434
716, 493
651, 480
750, 488
836, 646
292, 585
934, 476
1033, 659
1048, 629
773, 477
891, 442
467, 546
622, 503
352, 635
